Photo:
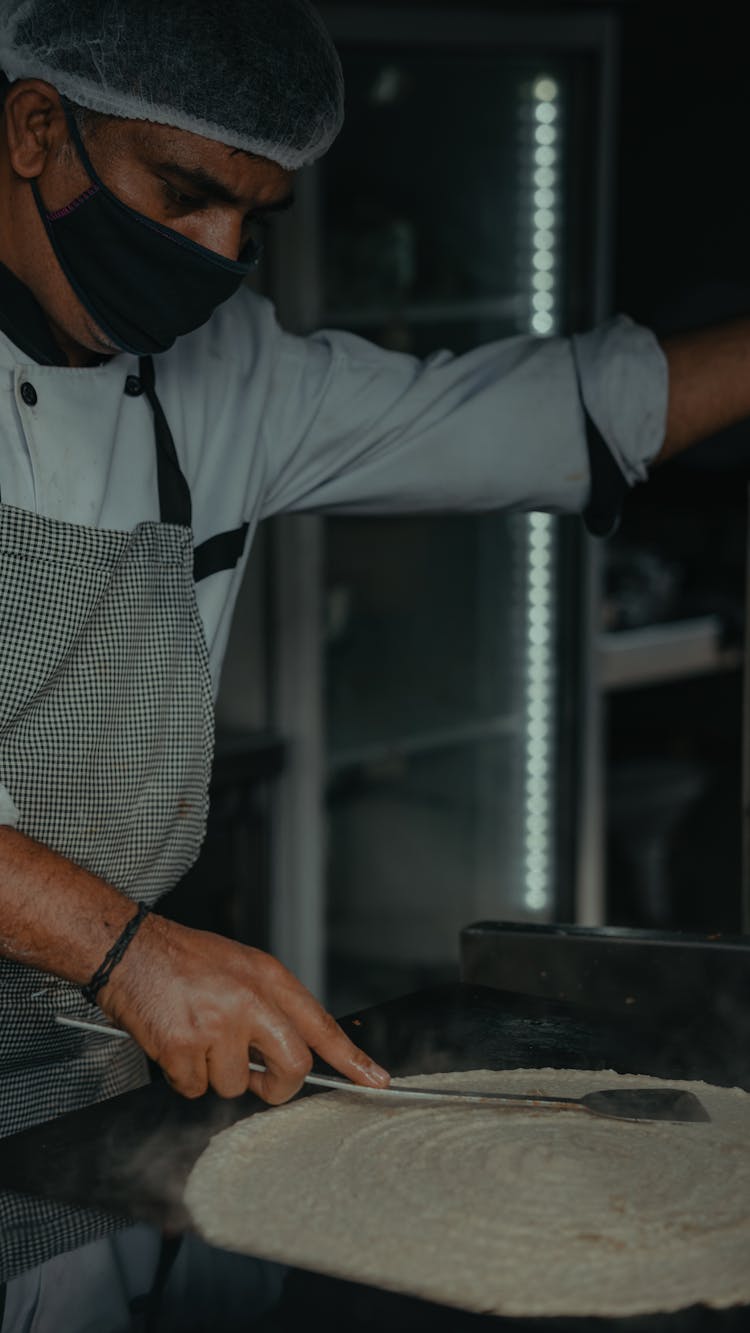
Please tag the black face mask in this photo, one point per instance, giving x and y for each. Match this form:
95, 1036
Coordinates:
143, 284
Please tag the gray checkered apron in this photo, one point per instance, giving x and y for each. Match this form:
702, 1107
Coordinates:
106, 744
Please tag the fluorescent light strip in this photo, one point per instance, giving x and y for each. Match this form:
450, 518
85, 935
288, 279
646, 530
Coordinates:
539, 738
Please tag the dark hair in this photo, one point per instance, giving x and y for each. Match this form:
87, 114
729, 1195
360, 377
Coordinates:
88, 122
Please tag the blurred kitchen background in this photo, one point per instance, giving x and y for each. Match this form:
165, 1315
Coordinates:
426, 722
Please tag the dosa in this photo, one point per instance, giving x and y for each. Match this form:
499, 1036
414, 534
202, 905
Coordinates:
512, 1212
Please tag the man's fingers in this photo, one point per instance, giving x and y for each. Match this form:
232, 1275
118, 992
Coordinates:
277, 1085
324, 1036
228, 1071
188, 1075
277, 1045
225, 1067
316, 1028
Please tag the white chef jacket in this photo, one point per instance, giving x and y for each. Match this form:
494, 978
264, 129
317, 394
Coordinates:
267, 423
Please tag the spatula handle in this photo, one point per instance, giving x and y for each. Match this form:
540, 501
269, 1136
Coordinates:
344, 1085
436, 1094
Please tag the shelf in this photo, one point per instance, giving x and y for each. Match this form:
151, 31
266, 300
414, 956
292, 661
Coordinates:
670, 651
443, 738
627, 659
425, 312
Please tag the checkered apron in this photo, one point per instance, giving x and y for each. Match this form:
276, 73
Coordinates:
106, 743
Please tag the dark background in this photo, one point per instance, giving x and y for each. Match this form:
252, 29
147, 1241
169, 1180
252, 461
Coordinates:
683, 261
683, 178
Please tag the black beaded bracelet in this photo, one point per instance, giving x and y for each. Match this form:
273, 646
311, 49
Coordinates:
114, 956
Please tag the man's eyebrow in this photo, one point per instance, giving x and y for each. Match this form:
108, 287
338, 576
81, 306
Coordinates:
197, 178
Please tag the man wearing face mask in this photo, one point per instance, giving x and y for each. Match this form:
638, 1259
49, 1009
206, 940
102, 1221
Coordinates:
152, 414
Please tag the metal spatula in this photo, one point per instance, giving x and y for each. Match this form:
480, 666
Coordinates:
613, 1103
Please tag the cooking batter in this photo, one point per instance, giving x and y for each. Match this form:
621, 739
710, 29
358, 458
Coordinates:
152, 413
492, 1209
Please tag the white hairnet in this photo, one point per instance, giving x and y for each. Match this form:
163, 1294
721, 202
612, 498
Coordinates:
260, 75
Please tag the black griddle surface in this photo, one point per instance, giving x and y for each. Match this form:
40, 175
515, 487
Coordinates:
130, 1156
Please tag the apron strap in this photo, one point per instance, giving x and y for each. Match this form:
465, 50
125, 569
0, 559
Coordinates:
175, 504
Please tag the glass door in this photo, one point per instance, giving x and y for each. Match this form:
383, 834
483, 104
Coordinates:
459, 206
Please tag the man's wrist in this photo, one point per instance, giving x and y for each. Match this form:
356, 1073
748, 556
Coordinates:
115, 955
54, 915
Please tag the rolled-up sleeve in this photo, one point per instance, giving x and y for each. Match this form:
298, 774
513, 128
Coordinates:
8, 812
353, 428
624, 382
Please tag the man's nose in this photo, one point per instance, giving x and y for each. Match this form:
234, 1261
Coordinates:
225, 237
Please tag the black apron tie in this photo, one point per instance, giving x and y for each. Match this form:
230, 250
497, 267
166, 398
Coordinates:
175, 503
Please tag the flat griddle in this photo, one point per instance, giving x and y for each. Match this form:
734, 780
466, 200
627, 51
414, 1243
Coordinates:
130, 1156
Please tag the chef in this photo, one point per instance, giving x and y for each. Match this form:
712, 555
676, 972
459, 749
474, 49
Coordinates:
152, 412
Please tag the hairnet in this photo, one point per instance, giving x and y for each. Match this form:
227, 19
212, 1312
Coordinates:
260, 75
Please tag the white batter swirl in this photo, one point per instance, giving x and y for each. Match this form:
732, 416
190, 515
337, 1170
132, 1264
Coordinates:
494, 1210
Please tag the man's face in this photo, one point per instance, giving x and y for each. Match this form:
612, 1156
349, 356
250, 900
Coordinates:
212, 194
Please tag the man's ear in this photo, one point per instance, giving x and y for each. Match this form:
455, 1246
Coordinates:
35, 126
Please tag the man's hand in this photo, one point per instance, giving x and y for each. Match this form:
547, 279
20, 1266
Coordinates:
198, 1003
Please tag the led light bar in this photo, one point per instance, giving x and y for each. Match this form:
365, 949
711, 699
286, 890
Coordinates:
542, 144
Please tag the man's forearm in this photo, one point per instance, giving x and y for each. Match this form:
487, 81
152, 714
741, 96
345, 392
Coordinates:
709, 384
196, 1003
54, 915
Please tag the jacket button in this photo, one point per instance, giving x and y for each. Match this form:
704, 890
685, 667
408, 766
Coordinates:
133, 386
29, 395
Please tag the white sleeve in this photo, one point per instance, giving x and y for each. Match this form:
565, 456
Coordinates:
8, 813
624, 384
350, 427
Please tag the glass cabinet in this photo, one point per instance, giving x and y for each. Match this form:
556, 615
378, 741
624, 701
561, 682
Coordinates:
437, 697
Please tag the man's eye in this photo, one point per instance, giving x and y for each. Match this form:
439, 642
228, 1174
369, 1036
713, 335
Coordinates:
186, 201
